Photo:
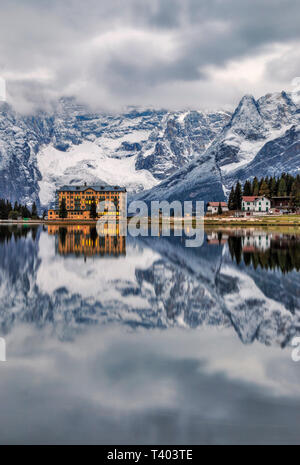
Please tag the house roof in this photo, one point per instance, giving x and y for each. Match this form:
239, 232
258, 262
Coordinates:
102, 188
250, 198
216, 204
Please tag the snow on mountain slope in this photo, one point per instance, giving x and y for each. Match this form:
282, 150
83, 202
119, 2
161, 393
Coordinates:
256, 136
250, 310
135, 148
278, 155
253, 124
181, 138
198, 180
90, 162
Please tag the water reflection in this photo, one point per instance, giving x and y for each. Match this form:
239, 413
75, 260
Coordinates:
163, 344
7, 233
158, 283
84, 240
267, 250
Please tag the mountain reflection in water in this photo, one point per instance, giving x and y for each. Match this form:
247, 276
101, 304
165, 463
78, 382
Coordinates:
246, 280
161, 344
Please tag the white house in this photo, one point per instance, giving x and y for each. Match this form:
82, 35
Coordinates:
213, 207
256, 204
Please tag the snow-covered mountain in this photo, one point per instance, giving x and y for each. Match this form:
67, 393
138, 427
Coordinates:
156, 154
261, 138
71, 144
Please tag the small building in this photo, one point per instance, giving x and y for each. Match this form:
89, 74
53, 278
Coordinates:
256, 204
281, 203
79, 199
213, 207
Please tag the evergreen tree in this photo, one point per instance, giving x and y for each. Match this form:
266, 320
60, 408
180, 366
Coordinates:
295, 194
282, 192
255, 186
34, 213
273, 187
62, 209
13, 215
93, 210
220, 211
231, 204
247, 190
25, 212
238, 197
264, 189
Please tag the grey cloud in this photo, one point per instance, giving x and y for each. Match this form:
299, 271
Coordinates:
58, 36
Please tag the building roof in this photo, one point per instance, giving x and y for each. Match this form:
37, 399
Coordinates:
250, 198
102, 188
216, 204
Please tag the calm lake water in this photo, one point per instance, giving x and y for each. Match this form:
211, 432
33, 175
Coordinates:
125, 341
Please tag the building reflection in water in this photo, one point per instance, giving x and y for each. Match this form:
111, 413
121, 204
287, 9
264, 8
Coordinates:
263, 249
84, 240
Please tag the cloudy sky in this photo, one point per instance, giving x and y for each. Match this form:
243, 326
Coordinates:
164, 53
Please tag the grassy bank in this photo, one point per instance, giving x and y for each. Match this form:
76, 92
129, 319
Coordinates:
284, 220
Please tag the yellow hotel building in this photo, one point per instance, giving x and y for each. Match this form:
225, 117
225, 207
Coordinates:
78, 201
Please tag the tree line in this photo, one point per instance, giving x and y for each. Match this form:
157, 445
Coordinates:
9, 211
285, 185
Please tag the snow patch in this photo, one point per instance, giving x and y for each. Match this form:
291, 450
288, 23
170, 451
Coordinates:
88, 162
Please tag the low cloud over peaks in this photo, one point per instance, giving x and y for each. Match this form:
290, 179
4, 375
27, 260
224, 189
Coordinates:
147, 52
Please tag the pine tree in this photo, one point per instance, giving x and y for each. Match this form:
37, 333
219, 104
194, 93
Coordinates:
220, 211
247, 190
255, 186
13, 215
62, 209
282, 188
273, 187
238, 197
295, 194
93, 210
231, 203
264, 189
34, 213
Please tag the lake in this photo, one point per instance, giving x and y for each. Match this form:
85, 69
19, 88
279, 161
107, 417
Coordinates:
121, 340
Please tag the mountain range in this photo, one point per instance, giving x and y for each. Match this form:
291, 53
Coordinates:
156, 154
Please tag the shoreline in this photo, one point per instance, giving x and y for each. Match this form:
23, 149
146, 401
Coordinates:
282, 220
